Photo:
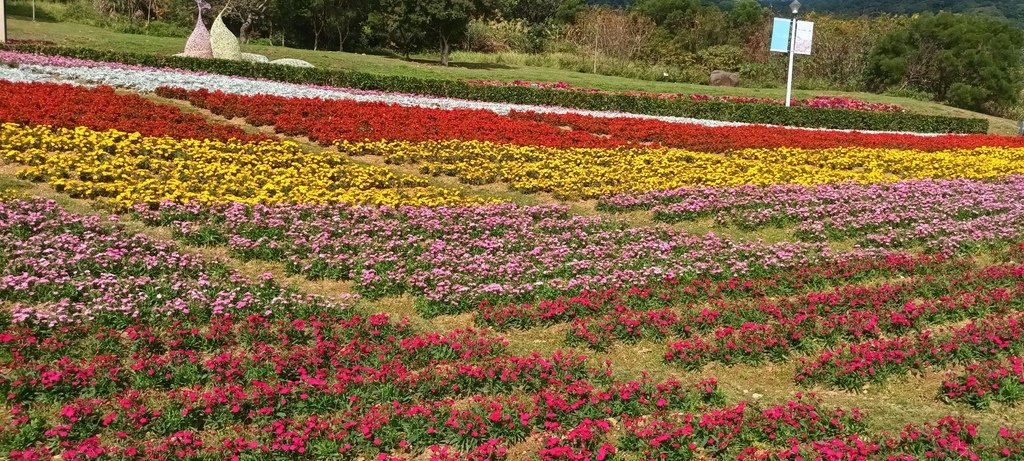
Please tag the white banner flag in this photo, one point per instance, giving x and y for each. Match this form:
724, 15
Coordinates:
804, 37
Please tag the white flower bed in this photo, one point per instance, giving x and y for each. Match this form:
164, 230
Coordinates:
14, 74
146, 80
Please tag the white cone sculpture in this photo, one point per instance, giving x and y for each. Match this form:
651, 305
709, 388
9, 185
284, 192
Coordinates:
198, 45
224, 43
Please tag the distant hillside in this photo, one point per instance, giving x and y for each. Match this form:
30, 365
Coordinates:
1011, 9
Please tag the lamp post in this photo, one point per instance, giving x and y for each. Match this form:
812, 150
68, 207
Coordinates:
795, 8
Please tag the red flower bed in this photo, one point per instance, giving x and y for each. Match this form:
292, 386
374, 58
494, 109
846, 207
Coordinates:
717, 139
326, 121
986, 382
807, 432
100, 108
759, 320
851, 366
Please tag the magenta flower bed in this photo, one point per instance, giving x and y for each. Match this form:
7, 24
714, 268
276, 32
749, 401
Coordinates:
876, 361
980, 384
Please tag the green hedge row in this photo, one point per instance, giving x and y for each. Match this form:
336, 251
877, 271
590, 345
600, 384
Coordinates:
771, 114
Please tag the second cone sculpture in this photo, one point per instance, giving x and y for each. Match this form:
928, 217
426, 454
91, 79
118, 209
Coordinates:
198, 45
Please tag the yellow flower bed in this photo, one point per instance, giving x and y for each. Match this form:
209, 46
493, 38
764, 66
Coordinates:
589, 173
127, 169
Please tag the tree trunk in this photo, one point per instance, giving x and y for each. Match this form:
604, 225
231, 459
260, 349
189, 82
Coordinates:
33, 10
342, 37
243, 33
445, 50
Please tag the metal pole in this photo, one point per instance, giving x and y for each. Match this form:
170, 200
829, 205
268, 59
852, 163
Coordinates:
792, 45
3, 23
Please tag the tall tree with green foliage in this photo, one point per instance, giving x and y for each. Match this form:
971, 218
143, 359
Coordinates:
542, 11
969, 61
447, 21
400, 23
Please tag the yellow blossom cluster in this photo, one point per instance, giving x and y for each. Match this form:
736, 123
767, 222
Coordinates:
126, 169
7, 195
589, 173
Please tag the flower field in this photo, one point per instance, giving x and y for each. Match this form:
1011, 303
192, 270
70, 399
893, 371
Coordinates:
271, 271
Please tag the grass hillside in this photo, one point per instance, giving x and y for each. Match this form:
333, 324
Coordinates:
71, 34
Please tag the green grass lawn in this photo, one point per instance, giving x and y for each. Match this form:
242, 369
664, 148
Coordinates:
72, 34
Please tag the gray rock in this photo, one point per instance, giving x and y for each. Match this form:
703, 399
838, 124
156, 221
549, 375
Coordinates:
723, 78
251, 57
291, 62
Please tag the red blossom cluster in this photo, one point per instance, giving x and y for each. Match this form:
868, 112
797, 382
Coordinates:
875, 361
758, 320
101, 108
719, 139
324, 385
326, 121
986, 382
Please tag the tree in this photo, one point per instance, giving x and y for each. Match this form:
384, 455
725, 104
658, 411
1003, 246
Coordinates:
247, 12
447, 21
968, 61
614, 33
400, 23
745, 15
541, 11
664, 12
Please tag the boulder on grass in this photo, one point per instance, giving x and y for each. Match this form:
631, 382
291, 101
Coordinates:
723, 78
252, 57
291, 62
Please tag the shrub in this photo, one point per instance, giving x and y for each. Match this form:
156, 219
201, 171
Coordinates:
969, 61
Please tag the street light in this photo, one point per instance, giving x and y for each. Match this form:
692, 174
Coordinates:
795, 8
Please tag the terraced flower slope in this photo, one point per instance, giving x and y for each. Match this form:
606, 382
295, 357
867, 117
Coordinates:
664, 291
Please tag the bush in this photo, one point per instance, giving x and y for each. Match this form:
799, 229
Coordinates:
771, 114
969, 61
